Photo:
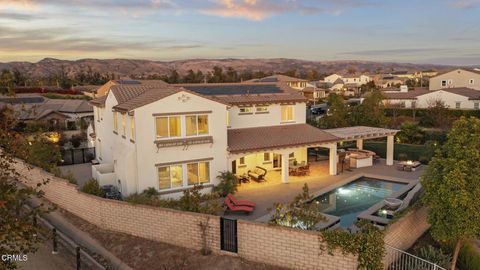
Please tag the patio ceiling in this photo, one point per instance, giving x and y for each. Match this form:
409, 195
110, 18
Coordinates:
361, 132
246, 140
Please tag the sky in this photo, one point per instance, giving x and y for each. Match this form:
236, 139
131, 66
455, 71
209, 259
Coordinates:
416, 31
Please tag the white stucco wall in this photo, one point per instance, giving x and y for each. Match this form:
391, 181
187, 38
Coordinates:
272, 118
449, 99
147, 153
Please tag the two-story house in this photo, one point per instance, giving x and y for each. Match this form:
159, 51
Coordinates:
457, 78
171, 137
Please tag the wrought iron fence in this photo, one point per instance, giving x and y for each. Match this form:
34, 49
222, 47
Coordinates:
228, 234
77, 156
397, 259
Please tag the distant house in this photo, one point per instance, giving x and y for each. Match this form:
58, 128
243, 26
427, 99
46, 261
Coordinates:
348, 79
456, 79
403, 74
453, 98
56, 113
426, 73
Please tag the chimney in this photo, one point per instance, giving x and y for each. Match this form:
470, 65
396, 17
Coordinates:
403, 89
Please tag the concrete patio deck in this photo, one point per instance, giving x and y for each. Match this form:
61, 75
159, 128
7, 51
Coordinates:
273, 190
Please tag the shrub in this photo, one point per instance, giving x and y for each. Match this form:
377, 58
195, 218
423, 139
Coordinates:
228, 183
411, 133
193, 201
92, 187
297, 214
43, 154
469, 257
434, 255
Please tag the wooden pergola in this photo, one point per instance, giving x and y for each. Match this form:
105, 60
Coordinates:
360, 133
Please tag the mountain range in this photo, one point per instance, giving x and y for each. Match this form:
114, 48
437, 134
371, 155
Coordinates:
127, 67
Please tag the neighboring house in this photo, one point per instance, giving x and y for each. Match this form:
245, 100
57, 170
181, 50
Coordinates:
388, 81
348, 79
56, 113
455, 79
453, 98
314, 93
426, 73
172, 137
295, 83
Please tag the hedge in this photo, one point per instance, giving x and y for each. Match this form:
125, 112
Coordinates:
422, 112
412, 151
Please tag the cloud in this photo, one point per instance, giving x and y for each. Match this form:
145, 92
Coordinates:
258, 10
464, 4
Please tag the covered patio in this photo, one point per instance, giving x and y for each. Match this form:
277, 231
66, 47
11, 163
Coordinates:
275, 149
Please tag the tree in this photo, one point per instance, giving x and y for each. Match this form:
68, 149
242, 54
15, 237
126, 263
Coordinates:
452, 186
371, 112
299, 213
337, 113
411, 133
436, 115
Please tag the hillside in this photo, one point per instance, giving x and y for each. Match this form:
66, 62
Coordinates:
126, 67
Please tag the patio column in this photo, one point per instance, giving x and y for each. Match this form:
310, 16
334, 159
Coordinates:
333, 159
360, 144
390, 150
285, 165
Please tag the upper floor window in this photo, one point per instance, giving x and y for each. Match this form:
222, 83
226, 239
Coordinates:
472, 81
124, 129
246, 110
266, 156
170, 176
196, 125
261, 109
444, 83
132, 127
287, 113
457, 105
168, 126
476, 105
198, 173
115, 121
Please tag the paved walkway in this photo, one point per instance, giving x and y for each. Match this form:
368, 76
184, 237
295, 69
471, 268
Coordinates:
44, 260
80, 237
273, 190
81, 172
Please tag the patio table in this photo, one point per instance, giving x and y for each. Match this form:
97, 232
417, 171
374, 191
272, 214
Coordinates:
409, 165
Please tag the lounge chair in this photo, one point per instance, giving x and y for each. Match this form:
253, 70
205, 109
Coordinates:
237, 208
258, 174
240, 202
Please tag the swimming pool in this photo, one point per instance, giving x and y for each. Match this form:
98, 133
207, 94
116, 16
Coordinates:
349, 200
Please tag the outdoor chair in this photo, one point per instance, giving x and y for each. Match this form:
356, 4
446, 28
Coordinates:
240, 202
237, 208
258, 174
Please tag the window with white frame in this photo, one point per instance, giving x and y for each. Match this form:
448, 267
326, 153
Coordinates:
170, 176
168, 127
288, 112
444, 83
115, 121
266, 157
457, 105
124, 129
196, 125
198, 173
472, 81
241, 161
246, 110
132, 127
476, 105
261, 109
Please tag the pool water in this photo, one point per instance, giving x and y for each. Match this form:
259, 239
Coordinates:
348, 201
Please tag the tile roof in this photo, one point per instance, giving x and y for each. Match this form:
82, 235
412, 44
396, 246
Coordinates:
67, 105
413, 94
466, 92
99, 101
274, 137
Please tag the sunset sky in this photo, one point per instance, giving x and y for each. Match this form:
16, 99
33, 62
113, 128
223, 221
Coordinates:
421, 31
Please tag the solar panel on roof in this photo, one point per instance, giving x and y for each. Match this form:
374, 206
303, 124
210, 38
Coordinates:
213, 90
273, 79
129, 82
